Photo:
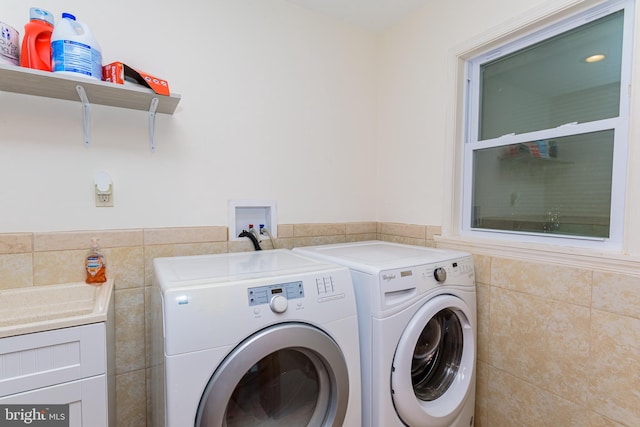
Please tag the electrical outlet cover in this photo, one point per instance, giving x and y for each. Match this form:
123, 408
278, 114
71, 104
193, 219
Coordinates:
104, 200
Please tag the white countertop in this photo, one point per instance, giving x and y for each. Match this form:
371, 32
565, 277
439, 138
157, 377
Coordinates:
43, 308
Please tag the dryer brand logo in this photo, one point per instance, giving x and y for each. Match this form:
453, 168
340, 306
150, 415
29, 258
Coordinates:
388, 277
34, 415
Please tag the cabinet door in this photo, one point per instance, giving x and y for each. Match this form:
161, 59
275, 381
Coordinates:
87, 400
41, 359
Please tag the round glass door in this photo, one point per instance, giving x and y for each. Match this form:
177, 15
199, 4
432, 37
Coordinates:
434, 362
437, 355
286, 375
282, 388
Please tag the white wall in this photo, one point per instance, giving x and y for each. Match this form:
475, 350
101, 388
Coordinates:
417, 96
414, 98
335, 123
277, 103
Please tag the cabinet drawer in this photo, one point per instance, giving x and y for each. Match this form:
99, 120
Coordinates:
53, 357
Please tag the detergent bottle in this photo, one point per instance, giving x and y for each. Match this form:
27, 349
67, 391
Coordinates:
36, 43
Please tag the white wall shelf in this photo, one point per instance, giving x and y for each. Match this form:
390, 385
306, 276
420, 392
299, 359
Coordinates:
88, 91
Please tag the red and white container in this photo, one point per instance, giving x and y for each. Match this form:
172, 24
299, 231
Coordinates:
36, 43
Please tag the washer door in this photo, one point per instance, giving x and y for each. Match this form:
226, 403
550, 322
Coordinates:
433, 364
290, 374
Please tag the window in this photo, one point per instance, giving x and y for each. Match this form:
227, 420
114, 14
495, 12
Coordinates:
547, 130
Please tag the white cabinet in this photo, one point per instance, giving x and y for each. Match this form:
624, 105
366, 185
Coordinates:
86, 398
63, 366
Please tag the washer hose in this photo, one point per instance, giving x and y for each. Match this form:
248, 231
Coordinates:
256, 244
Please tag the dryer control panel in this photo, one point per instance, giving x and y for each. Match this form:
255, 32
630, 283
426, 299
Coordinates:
264, 294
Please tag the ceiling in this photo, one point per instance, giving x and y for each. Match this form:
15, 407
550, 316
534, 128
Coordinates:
374, 15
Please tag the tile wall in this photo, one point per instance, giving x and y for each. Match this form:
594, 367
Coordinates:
557, 346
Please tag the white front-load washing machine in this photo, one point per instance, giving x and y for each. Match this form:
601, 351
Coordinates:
417, 319
266, 338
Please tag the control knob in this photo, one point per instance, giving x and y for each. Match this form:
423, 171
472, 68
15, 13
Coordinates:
278, 304
440, 274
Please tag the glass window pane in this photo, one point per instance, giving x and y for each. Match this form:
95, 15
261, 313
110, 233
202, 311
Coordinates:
550, 84
560, 186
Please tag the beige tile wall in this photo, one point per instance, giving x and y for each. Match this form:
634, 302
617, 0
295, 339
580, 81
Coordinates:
557, 346
39, 259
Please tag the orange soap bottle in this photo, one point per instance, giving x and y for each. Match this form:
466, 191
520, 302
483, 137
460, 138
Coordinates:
95, 265
36, 43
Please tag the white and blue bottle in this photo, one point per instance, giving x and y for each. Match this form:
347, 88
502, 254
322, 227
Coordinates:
74, 50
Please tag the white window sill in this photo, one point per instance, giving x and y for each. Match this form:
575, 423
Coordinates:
590, 259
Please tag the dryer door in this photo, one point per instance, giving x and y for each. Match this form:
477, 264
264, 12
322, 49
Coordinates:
290, 374
433, 363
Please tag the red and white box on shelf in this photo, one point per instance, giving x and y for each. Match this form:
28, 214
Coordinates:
118, 73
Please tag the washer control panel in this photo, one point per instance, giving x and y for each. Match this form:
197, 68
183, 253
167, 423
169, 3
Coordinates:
266, 294
398, 286
461, 268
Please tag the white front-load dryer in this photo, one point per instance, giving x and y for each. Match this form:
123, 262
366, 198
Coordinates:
265, 338
417, 320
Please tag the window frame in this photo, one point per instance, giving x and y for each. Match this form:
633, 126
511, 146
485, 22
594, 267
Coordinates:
620, 125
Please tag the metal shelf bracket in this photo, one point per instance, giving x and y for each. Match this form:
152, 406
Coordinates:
86, 115
152, 124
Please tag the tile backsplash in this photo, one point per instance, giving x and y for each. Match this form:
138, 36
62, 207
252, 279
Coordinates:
556, 345
39, 259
